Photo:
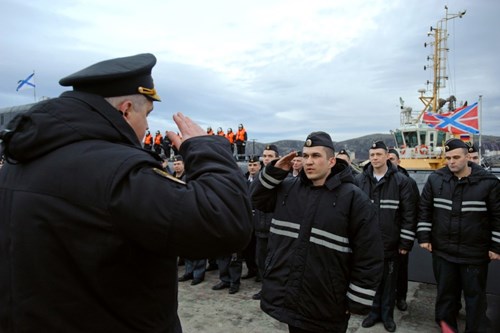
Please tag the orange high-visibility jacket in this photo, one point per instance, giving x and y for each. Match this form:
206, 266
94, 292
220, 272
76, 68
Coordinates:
148, 139
241, 135
231, 136
158, 139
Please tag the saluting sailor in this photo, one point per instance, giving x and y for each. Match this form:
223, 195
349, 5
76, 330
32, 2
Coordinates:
325, 254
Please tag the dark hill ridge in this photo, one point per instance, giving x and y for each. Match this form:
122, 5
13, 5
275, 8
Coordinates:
358, 145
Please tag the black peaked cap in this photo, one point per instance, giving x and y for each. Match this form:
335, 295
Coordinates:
116, 77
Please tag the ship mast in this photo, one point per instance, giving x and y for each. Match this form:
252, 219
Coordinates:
439, 60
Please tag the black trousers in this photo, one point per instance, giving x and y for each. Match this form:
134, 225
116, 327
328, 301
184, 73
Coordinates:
230, 267
341, 327
240, 150
261, 253
195, 267
402, 279
249, 256
166, 151
451, 279
385, 297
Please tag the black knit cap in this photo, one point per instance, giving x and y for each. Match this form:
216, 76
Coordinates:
342, 152
473, 148
378, 144
116, 77
319, 139
253, 159
272, 147
454, 143
393, 151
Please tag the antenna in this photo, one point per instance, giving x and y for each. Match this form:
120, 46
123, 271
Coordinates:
439, 34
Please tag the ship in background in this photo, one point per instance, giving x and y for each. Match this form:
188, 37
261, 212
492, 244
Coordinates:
421, 136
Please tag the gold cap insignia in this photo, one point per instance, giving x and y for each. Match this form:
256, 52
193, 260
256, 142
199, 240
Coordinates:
151, 93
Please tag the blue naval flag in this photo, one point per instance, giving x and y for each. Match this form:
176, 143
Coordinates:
29, 82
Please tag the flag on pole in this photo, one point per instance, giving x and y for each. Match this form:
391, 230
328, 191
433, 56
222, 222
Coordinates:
29, 82
465, 137
461, 121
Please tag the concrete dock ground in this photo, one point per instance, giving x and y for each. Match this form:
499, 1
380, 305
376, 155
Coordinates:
202, 309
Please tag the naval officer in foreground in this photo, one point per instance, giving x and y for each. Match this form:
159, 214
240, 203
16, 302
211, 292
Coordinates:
91, 226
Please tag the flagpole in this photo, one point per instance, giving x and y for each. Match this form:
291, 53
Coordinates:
34, 88
480, 125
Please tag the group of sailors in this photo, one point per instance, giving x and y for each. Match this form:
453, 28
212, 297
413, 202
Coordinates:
396, 197
92, 225
162, 145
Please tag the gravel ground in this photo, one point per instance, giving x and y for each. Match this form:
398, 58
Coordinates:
202, 309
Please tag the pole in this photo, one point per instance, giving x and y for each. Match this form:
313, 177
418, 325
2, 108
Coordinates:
34, 88
480, 125
253, 147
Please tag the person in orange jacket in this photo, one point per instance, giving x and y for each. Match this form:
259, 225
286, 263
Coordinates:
148, 141
241, 141
220, 132
158, 142
231, 137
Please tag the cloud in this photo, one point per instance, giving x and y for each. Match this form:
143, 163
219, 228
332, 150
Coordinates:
282, 68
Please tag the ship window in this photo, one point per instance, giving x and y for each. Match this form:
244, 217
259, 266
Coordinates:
422, 138
411, 139
398, 136
441, 139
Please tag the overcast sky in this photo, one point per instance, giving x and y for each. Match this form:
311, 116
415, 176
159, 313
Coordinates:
283, 68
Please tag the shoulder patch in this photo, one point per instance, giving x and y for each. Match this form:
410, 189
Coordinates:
168, 176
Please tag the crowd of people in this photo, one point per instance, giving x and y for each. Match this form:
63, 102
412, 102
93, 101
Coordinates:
97, 247
163, 146
396, 198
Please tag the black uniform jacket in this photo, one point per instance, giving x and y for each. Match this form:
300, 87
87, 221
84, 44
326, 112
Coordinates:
90, 228
325, 253
413, 184
461, 217
261, 220
396, 203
